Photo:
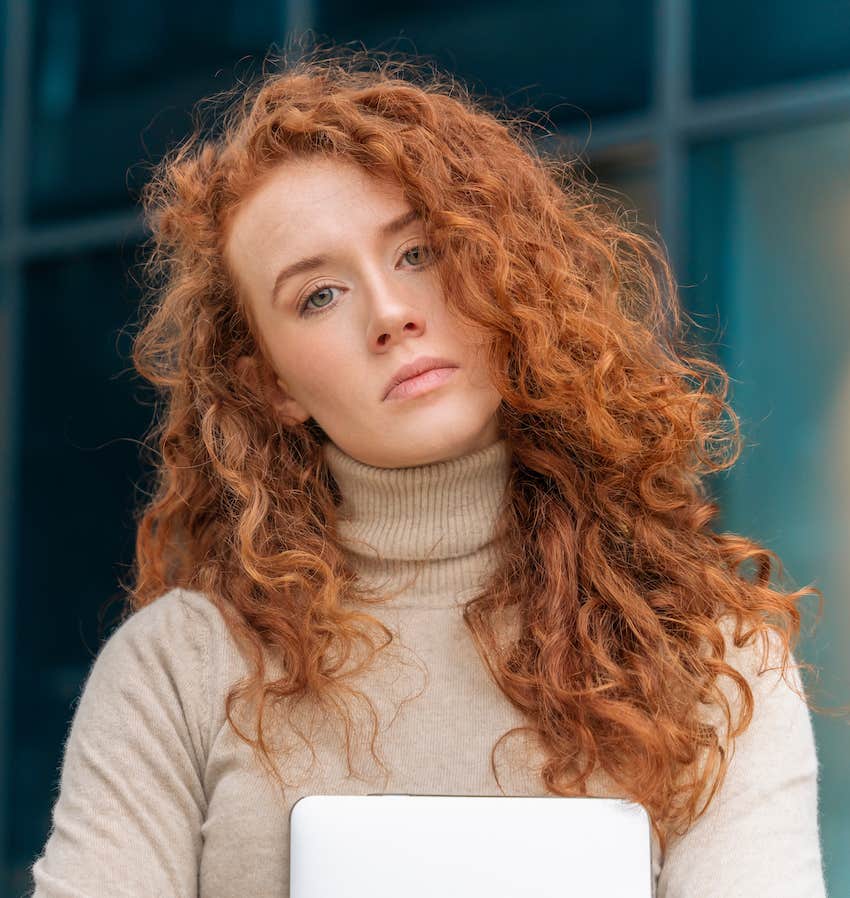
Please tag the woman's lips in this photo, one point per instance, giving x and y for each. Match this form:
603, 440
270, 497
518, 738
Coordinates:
422, 383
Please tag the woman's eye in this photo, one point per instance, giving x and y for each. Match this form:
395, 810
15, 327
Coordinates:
324, 288
421, 250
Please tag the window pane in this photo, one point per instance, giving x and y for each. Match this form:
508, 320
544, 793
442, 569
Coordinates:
630, 184
739, 46
81, 416
770, 220
113, 84
594, 55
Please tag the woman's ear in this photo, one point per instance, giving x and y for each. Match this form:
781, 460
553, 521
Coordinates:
264, 383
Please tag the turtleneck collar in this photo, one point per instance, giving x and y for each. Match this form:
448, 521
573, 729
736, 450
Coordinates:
436, 521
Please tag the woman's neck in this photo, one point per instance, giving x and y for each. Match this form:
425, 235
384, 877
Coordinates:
434, 521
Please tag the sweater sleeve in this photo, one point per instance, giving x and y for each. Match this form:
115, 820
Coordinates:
127, 820
760, 834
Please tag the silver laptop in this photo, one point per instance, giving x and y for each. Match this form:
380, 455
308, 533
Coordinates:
422, 846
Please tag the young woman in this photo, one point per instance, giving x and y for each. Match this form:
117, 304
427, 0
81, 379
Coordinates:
431, 513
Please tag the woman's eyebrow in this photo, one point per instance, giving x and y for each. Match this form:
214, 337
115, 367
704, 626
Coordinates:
397, 224
310, 262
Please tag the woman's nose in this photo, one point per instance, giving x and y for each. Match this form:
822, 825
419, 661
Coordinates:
393, 311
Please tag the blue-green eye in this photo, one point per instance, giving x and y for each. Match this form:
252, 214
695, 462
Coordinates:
322, 288
422, 250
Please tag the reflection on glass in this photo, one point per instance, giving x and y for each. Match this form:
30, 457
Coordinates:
770, 222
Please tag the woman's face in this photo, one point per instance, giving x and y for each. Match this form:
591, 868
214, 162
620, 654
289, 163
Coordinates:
360, 301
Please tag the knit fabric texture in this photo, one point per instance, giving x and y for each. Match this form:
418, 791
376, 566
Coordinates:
159, 797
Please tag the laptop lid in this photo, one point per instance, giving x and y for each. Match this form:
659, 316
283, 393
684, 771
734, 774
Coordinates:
420, 846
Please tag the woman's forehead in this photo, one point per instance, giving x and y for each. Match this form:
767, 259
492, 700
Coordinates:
294, 194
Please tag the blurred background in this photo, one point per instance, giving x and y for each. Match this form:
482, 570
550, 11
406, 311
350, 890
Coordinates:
725, 124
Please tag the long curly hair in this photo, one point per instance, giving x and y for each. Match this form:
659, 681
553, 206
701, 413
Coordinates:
613, 417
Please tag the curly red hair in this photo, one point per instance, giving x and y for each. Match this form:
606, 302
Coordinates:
610, 566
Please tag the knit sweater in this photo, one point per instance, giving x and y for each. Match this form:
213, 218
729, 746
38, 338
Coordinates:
158, 796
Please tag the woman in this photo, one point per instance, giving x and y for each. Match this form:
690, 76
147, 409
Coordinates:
498, 576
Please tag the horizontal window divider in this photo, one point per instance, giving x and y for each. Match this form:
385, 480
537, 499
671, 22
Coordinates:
73, 236
780, 105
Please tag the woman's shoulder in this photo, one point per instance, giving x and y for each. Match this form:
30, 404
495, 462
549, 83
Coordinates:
173, 652
179, 625
180, 638
780, 708
177, 605
759, 658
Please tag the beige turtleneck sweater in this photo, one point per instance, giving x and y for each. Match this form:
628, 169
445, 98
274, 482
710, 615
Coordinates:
158, 797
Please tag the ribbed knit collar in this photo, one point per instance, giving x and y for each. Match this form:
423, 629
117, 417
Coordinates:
435, 520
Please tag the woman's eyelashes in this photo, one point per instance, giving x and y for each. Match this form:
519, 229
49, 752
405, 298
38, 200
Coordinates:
322, 288
304, 310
